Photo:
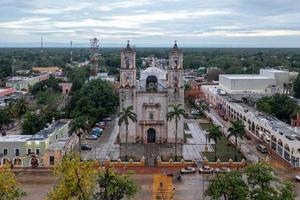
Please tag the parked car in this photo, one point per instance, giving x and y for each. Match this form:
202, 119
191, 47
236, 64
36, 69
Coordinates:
106, 119
222, 170
195, 112
97, 134
261, 148
86, 147
101, 123
206, 169
91, 137
188, 170
297, 178
98, 130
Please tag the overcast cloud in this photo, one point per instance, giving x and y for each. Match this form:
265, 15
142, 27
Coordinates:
153, 22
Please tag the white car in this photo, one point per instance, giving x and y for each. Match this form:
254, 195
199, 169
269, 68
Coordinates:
188, 170
206, 169
222, 170
297, 178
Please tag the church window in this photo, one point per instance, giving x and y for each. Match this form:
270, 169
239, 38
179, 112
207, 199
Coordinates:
175, 81
127, 63
151, 115
151, 83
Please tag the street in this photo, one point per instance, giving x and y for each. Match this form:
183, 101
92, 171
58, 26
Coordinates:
105, 146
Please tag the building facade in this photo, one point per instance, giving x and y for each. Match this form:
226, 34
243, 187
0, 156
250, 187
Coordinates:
24, 82
282, 139
150, 97
43, 149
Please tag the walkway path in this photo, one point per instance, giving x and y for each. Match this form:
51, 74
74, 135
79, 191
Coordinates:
196, 145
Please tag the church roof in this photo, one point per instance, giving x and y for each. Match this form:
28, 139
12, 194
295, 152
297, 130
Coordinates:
154, 71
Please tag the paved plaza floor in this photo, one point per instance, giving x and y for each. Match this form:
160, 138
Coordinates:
195, 145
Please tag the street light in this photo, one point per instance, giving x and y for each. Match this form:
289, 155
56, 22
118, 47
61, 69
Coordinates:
206, 147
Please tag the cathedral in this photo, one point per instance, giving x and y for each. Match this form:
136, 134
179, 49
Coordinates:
152, 135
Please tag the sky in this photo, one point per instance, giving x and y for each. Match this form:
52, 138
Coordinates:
193, 23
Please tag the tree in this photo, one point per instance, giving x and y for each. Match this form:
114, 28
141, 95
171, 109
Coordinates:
4, 118
236, 130
215, 134
96, 95
287, 191
12, 109
174, 114
113, 186
79, 126
76, 180
230, 186
9, 187
278, 105
263, 183
125, 116
297, 87
51, 83
22, 105
32, 123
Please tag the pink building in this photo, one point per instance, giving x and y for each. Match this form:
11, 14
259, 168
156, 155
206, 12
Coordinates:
6, 91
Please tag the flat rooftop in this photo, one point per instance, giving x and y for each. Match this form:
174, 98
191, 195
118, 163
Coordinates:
40, 136
245, 76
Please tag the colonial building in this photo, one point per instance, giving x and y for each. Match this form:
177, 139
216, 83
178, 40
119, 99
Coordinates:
150, 97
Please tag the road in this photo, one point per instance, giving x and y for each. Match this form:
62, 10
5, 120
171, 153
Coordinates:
105, 146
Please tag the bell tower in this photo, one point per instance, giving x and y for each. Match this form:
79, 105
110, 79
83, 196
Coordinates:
175, 90
175, 73
128, 70
127, 91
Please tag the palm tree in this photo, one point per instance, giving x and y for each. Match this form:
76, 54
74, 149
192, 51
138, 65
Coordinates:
125, 116
22, 105
215, 134
79, 126
237, 130
174, 114
12, 110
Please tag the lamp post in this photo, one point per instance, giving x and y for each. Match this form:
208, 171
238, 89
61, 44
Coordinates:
206, 147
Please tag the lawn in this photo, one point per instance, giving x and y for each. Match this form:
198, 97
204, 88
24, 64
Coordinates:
225, 151
205, 126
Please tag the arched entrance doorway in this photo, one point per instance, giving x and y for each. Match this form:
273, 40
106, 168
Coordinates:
151, 135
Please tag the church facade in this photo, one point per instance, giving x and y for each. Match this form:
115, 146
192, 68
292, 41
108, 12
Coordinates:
150, 97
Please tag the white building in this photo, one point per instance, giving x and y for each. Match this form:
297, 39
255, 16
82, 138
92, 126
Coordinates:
281, 138
268, 81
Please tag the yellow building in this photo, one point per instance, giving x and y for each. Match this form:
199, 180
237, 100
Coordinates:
49, 70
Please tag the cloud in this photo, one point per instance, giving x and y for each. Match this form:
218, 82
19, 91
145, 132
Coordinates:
152, 21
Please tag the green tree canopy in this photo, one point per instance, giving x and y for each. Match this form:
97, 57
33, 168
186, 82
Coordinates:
297, 86
76, 180
51, 84
230, 186
9, 187
278, 105
114, 186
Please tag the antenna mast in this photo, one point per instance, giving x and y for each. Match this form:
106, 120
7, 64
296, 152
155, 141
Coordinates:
94, 46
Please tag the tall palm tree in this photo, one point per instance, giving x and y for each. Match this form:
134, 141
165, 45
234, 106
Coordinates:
79, 126
174, 114
236, 130
126, 115
215, 134
22, 105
